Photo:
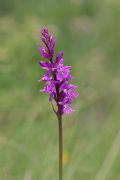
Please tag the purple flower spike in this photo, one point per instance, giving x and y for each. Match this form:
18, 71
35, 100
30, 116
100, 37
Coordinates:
57, 76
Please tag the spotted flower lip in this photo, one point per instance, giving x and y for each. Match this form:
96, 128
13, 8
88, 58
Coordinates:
57, 77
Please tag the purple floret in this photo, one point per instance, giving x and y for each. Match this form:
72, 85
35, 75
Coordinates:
57, 77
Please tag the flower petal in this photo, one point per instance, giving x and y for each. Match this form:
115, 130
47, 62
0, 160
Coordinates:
43, 52
59, 58
67, 109
45, 65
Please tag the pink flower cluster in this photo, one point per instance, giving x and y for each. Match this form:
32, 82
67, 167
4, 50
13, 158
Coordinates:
57, 76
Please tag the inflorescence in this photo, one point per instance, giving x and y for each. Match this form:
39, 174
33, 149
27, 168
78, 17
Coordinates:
57, 77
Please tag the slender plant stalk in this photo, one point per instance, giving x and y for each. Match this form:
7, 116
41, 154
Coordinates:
57, 84
60, 147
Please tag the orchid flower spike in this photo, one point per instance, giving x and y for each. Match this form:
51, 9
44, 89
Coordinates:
57, 77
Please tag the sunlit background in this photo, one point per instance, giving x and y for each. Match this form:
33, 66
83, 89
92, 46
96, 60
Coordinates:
89, 33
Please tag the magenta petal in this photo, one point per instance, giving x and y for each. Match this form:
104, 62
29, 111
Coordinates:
45, 78
43, 52
53, 43
60, 55
44, 40
59, 58
44, 31
45, 65
67, 109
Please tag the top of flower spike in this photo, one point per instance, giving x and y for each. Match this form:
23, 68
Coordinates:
44, 31
57, 76
49, 42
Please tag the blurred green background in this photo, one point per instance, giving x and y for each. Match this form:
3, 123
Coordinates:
89, 33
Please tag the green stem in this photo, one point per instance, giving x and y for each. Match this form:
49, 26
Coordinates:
60, 146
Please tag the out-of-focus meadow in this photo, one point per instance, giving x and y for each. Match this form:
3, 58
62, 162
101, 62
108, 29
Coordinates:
89, 33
